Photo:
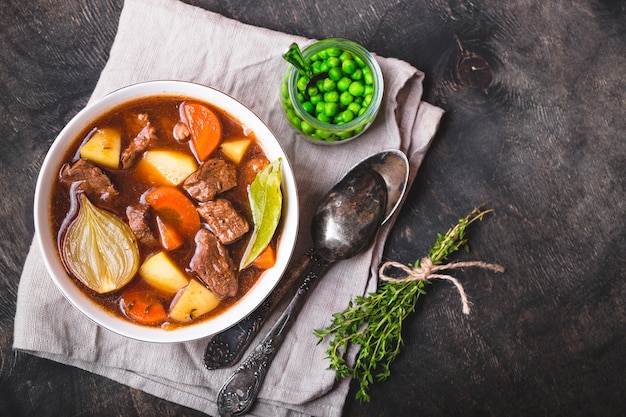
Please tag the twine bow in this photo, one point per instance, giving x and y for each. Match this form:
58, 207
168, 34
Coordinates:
426, 272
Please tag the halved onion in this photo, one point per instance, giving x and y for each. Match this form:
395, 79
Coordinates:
100, 249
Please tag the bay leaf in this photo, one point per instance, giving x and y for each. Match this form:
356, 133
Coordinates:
266, 201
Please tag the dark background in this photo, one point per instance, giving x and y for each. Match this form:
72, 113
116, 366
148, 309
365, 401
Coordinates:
535, 96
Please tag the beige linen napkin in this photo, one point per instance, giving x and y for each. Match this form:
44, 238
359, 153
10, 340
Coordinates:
166, 39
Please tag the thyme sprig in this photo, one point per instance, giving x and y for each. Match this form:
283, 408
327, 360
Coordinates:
374, 322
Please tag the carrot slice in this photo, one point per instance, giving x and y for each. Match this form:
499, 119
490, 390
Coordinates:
143, 307
175, 209
266, 259
169, 237
205, 127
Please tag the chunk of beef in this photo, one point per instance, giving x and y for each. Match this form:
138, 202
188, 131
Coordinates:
213, 177
90, 179
140, 143
213, 265
139, 222
223, 220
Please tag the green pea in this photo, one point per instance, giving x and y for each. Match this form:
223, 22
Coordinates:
324, 67
322, 134
284, 90
346, 55
331, 96
301, 83
347, 115
343, 84
293, 118
323, 54
357, 75
307, 128
333, 51
323, 118
330, 109
346, 98
295, 122
367, 100
320, 107
368, 77
328, 85
335, 73
316, 98
316, 66
356, 88
369, 90
355, 108
333, 62
291, 113
308, 107
312, 91
348, 66
359, 61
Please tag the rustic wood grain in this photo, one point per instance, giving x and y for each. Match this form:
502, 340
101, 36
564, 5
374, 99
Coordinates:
535, 97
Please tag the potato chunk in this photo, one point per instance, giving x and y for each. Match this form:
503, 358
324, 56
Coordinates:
193, 301
236, 149
166, 167
103, 148
162, 274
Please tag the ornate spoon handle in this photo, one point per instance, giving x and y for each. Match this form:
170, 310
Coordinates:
227, 347
240, 390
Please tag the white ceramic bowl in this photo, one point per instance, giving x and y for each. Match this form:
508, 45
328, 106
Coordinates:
47, 240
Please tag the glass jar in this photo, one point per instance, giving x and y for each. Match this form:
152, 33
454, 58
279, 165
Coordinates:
340, 106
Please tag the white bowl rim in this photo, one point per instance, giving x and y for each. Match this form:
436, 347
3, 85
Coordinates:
47, 241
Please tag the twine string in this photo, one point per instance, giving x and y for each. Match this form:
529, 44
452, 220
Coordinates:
426, 271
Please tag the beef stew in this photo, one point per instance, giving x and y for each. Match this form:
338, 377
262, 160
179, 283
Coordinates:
152, 164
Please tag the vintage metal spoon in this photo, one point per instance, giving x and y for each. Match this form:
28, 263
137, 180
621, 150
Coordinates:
226, 348
344, 224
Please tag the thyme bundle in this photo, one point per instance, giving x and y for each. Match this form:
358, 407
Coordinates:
374, 322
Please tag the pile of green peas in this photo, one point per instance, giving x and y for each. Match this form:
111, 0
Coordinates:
337, 99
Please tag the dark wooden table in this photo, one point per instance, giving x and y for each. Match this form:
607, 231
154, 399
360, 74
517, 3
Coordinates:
535, 95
